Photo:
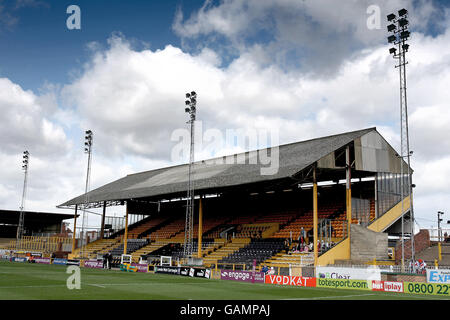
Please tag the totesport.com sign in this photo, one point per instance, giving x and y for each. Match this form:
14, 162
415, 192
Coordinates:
342, 284
291, 281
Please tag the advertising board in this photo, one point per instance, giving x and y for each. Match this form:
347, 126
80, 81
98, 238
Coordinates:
291, 281
371, 273
59, 261
427, 288
97, 264
42, 260
438, 276
245, 276
387, 286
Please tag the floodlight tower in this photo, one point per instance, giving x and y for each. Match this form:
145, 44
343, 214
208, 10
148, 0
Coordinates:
20, 227
88, 141
191, 105
400, 35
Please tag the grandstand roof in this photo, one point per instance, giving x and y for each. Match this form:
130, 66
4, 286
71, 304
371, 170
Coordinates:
12, 216
293, 158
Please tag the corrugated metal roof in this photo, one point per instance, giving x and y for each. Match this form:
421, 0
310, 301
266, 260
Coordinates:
293, 158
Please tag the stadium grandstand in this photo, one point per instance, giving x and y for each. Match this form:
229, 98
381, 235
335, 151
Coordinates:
43, 231
343, 191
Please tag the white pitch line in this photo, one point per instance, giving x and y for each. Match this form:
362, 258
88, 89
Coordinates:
49, 286
332, 297
96, 285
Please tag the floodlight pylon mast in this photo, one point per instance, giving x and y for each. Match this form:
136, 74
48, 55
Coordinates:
88, 150
191, 104
20, 226
399, 27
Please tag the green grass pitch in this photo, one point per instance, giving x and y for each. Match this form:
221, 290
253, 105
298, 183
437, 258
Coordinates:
23, 281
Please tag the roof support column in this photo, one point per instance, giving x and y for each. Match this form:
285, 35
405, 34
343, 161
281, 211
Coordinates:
125, 237
200, 227
102, 229
348, 190
74, 239
315, 216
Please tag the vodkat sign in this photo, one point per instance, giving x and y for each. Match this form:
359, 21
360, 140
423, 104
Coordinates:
291, 281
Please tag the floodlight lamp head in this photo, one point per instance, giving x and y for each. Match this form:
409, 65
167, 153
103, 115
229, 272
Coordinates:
393, 51
187, 110
405, 35
391, 17
188, 95
88, 132
402, 12
403, 22
391, 27
187, 102
194, 101
405, 47
193, 94
392, 39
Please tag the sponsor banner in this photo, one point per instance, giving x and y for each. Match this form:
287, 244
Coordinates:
184, 271
291, 281
140, 267
438, 276
427, 288
371, 273
195, 272
201, 273
167, 269
36, 254
342, 284
387, 286
73, 262
42, 260
19, 259
93, 264
59, 261
246, 276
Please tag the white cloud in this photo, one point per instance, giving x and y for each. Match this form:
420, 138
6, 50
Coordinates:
315, 35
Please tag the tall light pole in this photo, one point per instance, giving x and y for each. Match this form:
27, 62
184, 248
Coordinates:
88, 141
20, 226
439, 214
191, 104
400, 35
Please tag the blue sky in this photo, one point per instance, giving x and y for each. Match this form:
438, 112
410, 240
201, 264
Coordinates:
39, 47
305, 68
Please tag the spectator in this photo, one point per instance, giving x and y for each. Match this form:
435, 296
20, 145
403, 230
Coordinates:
286, 245
272, 271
